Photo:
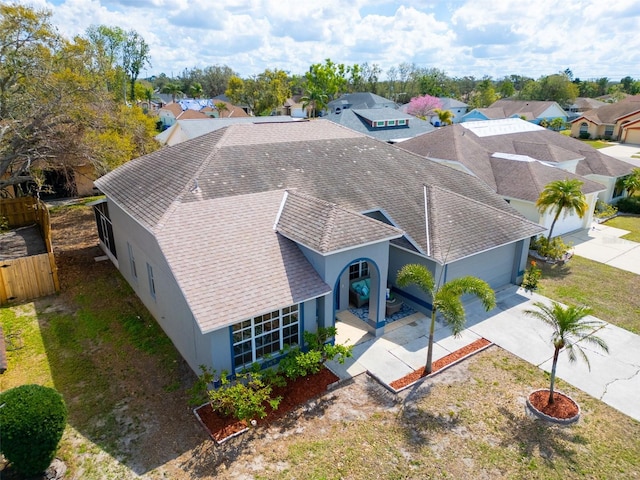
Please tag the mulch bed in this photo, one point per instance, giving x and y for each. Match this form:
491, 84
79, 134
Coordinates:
440, 363
562, 407
294, 394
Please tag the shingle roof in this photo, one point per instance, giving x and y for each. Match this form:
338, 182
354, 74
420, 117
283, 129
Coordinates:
359, 121
362, 100
457, 143
609, 113
446, 209
525, 178
319, 158
326, 227
535, 108
255, 269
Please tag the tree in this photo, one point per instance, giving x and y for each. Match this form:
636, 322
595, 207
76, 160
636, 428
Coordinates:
221, 107
569, 328
446, 298
196, 90
33, 419
135, 56
25, 34
424, 106
316, 99
557, 123
329, 78
174, 89
485, 94
562, 195
445, 116
106, 44
631, 183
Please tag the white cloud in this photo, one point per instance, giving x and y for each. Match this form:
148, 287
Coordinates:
471, 37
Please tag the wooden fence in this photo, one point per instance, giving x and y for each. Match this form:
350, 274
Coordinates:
32, 276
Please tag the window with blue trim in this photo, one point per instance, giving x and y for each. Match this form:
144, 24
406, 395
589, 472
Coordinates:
265, 335
358, 270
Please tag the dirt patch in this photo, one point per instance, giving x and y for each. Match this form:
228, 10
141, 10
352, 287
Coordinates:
21, 242
562, 408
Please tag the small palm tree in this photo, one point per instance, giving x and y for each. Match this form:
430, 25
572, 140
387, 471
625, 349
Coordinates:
562, 195
445, 116
569, 328
316, 99
173, 89
221, 107
446, 298
631, 183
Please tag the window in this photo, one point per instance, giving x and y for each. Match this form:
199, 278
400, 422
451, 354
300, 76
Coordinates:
608, 131
358, 269
132, 262
152, 282
264, 335
584, 127
380, 123
391, 123
402, 122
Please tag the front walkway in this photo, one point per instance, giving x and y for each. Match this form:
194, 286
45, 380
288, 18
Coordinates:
614, 378
603, 244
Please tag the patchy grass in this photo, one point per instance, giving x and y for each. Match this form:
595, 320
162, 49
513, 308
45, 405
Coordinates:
598, 143
468, 422
613, 294
627, 223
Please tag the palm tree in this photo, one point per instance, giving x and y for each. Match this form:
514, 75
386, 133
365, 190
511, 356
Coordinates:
173, 89
315, 98
562, 195
196, 90
446, 298
569, 328
445, 116
631, 183
221, 107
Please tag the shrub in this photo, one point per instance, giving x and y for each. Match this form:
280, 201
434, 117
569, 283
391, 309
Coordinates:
32, 422
297, 363
553, 250
629, 205
585, 135
604, 210
531, 277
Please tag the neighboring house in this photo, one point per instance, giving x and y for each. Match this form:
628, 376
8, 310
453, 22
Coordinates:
581, 105
184, 130
517, 159
458, 108
196, 109
241, 239
530, 110
612, 121
375, 116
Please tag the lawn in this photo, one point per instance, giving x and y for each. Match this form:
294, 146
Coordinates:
627, 223
594, 143
126, 389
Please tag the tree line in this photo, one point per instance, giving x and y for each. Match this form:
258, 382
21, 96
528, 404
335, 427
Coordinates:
326, 81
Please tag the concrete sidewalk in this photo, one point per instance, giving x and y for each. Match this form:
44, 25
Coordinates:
624, 152
614, 378
603, 244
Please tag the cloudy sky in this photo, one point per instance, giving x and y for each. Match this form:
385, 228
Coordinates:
594, 38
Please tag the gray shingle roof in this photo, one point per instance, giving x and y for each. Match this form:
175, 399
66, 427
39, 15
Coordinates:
230, 242
359, 121
322, 160
609, 113
456, 143
326, 227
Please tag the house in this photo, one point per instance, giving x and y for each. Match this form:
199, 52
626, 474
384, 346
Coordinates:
239, 240
375, 116
581, 105
196, 109
517, 159
456, 107
613, 121
530, 110
184, 130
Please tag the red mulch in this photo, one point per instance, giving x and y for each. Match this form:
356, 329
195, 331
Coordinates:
440, 363
294, 394
562, 407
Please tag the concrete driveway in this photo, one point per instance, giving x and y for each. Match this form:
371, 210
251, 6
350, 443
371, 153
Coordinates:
614, 378
603, 244
624, 152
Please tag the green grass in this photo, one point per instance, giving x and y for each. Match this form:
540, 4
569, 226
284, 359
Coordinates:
627, 223
613, 294
594, 143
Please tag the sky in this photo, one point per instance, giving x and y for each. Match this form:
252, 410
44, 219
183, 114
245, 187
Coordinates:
496, 38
